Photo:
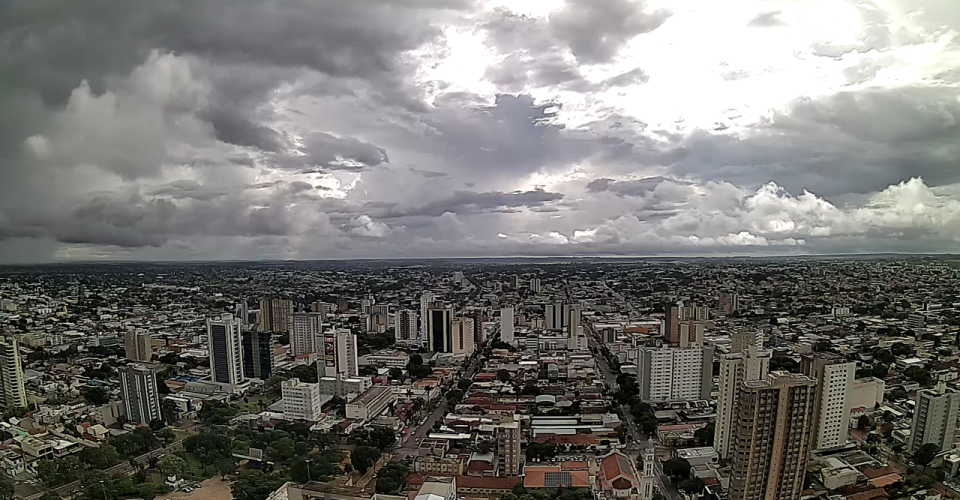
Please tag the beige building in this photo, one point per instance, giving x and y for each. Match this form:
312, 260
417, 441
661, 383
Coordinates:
744, 362
508, 449
138, 345
935, 418
276, 315
462, 337
834, 375
773, 435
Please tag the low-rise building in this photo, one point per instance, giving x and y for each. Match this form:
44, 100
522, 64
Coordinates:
370, 404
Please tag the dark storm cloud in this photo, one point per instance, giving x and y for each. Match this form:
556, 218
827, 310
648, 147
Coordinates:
232, 127
467, 202
768, 19
596, 30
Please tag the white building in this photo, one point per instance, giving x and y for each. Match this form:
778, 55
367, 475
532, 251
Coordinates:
745, 362
935, 418
405, 326
426, 299
301, 401
506, 324
226, 361
834, 376
141, 399
535, 285
675, 374
11, 375
370, 404
867, 393
340, 354
462, 337
306, 333
138, 345
344, 387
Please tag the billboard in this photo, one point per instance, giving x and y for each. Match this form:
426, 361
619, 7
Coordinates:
329, 350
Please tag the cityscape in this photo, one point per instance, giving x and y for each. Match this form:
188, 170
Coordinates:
628, 379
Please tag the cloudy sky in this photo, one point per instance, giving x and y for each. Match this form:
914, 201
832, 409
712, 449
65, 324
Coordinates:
276, 129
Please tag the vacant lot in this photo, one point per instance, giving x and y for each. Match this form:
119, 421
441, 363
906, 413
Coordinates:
211, 489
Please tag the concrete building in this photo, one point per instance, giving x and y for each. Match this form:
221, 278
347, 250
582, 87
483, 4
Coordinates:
426, 299
571, 317
773, 436
276, 315
438, 488
834, 376
935, 418
306, 333
226, 361
535, 285
462, 337
554, 316
440, 328
370, 404
138, 345
138, 389
301, 401
744, 362
13, 394
867, 393
675, 374
340, 354
348, 388
508, 449
257, 353
729, 302
405, 326
506, 324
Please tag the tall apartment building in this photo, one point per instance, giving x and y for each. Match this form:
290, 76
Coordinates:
379, 318
571, 316
478, 316
366, 304
834, 376
440, 327
138, 389
257, 353
773, 436
301, 401
426, 298
675, 374
935, 418
276, 315
535, 285
506, 324
508, 449
744, 362
679, 314
729, 302
554, 317
12, 393
306, 333
138, 345
224, 343
405, 326
462, 337
339, 354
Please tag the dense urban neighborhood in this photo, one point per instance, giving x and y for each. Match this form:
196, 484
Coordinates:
518, 379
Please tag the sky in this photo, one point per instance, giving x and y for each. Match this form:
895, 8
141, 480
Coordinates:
325, 129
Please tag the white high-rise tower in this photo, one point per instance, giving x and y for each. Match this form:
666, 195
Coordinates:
744, 362
306, 333
506, 324
226, 361
12, 393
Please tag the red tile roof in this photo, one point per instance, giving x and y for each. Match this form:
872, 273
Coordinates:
575, 439
868, 495
879, 471
535, 477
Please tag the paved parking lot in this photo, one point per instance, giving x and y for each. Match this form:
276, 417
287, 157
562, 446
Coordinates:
211, 489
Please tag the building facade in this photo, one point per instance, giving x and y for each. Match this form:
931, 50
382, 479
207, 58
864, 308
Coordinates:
301, 401
675, 374
426, 298
834, 375
508, 449
257, 354
744, 362
440, 327
13, 394
226, 361
462, 337
935, 418
138, 345
141, 399
506, 324
405, 326
339, 354
276, 315
773, 436
306, 333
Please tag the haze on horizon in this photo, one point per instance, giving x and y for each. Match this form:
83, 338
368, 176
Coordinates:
317, 129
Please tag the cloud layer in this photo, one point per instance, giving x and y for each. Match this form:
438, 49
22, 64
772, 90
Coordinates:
324, 129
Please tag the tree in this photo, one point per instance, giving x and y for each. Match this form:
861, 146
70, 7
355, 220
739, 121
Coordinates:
396, 373
102, 457
464, 384
6, 489
57, 472
416, 360
256, 485
363, 457
216, 413
694, 485
172, 465
392, 477
166, 435
170, 412
863, 422
918, 375
926, 453
704, 435
454, 396
677, 468
503, 375
96, 395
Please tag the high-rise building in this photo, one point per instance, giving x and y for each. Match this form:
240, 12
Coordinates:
366, 304
691, 333
138, 389
671, 324
508, 449
226, 361
242, 312
276, 315
834, 375
257, 353
506, 324
138, 345
339, 354
462, 337
679, 314
729, 302
13, 394
478, 315
571, 316
306, 333
439, 327
426, 298
554, 316
405, 326
744, 362
301, 401
458, 277
935, 418
772, 438
379, 318
535, 285
675, 374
